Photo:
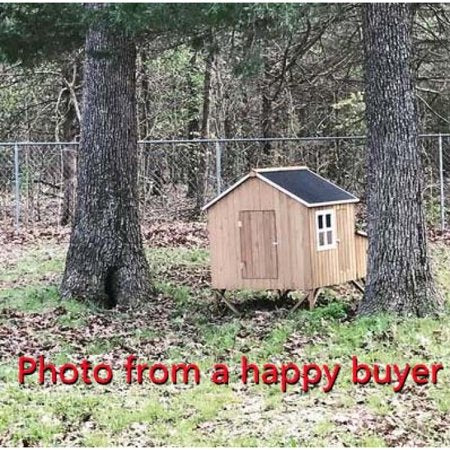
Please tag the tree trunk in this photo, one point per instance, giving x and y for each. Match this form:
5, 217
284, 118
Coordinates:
151, 161
204, 131
266, 111
70, 129
69, 166
198, 172
399, 279
106, 261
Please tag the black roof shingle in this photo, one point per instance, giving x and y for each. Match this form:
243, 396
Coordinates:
300, 183
307, 185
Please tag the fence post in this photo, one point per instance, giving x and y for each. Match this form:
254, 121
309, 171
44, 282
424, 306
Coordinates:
17, 186
218, 167
441, 184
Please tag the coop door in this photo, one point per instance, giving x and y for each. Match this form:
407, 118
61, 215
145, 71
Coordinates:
258, 236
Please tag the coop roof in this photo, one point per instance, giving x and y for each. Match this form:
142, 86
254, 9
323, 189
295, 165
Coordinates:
299, 183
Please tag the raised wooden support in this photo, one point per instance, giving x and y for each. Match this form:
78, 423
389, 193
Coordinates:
358, 286
296, 306
221, 296
311, 297
283, 293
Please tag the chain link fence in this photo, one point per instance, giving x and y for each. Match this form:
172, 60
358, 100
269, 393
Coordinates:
177, 177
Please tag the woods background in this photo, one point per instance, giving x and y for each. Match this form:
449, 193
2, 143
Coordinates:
220, 88
265, 79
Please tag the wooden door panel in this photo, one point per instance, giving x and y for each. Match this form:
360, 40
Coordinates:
258, 237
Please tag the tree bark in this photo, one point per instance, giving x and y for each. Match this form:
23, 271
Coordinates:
70, 129
152, 169
69, 167
399, 278
204, 131
266, 109
106, 262
198, 171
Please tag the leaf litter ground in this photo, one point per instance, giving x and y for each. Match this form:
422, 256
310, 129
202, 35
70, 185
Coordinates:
183, 322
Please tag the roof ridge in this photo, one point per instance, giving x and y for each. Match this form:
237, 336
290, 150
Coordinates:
280, 169
263, 175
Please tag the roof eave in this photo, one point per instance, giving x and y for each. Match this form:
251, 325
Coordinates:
304, 202
336, 202
226, 192
256, 172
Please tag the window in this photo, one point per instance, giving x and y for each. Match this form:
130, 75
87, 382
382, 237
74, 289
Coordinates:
325, 229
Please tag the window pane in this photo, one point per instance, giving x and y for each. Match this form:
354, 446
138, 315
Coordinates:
329, 237
328, 219
321, 239
320, 221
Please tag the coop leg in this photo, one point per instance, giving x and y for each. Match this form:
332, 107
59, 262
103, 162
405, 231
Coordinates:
297, 305
283, 294
221, 296
358, 286
312, 297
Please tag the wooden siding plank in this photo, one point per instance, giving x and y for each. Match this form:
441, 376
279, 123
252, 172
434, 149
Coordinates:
299, 265
338, 265
361, 246
257, 235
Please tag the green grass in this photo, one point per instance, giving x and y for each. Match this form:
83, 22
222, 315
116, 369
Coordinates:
219, 339
95, 439
162, 259
197, 330
274, 342
379, 405
441, 266
35, 265
182, 295
32, 298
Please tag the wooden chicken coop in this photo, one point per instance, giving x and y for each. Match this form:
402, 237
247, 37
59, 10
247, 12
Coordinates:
285, 229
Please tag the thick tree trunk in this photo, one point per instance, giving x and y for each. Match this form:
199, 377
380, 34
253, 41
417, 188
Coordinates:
399, 278
106, 261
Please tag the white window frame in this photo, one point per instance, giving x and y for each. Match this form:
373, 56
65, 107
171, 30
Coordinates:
325, 229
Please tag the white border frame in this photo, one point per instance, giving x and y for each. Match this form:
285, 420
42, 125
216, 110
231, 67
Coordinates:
323, 212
